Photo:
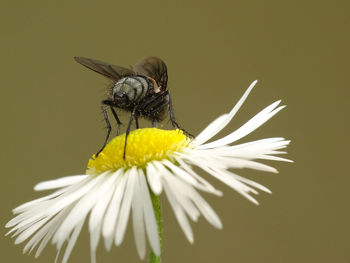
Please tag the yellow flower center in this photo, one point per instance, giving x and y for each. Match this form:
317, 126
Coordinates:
143, 145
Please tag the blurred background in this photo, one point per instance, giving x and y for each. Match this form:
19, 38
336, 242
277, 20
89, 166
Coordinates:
299, 52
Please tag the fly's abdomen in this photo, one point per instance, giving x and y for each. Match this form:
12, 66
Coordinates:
135, 88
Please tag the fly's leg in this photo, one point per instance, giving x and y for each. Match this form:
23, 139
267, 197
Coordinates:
110, 104
137, 122
154, 123
119, 123
132, 116
171, 113
172, 118
109, 127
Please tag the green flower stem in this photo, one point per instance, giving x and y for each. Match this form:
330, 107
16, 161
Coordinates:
153, 258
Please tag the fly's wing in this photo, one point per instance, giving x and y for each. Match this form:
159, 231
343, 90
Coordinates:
110, 71
155, 68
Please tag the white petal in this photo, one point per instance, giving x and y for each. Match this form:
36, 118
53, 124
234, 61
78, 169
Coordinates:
216, 126
242, 163
153, 178
275, 158
252, 183
205, 209
31, 204
58, 183
267, 143
261, 149
125, 206
48, 208
49, 229
32, 243
31, 208
187, 177
23, 224
184, 193
137, 219
180, 192
79, 211
224, 177
52, 226
253, 151
30, 230
59, 203
188, 169
98, 211
72, 240
179, 213
264, 146
150, 219
111, 217
212, 129
255, 122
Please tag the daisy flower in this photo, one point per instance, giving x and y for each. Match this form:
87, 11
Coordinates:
156, 161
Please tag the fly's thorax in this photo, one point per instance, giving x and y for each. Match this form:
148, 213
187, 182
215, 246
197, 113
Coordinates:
131, 89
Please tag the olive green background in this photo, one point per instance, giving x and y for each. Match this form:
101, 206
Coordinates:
51, 120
